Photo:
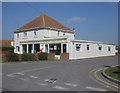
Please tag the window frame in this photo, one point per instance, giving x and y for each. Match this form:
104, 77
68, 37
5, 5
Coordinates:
100, 48
63, 33
35, 31
25, 34
17, 35
58, 33
88, 47
78, 47
18, 48
109, 48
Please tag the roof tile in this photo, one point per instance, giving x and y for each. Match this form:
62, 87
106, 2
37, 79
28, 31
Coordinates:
43, 21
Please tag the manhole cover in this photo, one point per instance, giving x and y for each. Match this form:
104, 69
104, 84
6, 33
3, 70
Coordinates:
52, 80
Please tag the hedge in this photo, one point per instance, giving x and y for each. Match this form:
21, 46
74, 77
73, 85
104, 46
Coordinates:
12, 57
42, 56
28, 57
7, 48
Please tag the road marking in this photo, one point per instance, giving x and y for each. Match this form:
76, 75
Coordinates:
10, 75
61, 88
43, 84
70, 84
96, 89
102, 82
13, 75
24, 79
30, 70
50, 81
33, 76
38, 69
20, 73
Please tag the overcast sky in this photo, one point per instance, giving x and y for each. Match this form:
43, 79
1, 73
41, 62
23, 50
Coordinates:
93, 21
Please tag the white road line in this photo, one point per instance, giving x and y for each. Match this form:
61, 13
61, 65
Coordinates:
61, 88
10, 75
38, 69
30, 70
24, 79
104, 81
96, 89
42, 84
70, 84
31, 76
100, 81
46, 80
20, 73
49, 81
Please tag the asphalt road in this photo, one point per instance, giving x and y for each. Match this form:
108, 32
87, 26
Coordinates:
55, 75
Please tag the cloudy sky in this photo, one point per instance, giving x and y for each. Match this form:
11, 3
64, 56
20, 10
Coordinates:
93, 21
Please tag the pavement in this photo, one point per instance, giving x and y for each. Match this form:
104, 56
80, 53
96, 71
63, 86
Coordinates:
73, 75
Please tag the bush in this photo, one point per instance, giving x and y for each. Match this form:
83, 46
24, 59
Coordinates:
28, 57
11, 48
42, 56
12, 57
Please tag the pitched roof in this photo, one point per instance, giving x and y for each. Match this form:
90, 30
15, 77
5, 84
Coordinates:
5, 42
44, 21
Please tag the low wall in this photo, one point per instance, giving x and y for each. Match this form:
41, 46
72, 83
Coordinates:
64, 56
3, 55
51, 56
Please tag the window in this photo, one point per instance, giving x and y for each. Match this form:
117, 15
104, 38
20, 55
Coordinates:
88, 47
17, 35
100, 48
18, 48
58, 33
109, 48
63, 33
25, 34
35, 32
78, 46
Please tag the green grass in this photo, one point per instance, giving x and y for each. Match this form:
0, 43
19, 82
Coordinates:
113, 72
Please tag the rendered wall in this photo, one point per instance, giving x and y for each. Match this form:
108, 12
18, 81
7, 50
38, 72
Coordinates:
41, 34
93, 52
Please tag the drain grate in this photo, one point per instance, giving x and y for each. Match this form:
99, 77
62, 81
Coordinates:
52, 80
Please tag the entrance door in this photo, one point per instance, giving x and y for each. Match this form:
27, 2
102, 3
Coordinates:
30, 48
36, 48
46, 48
64, 48
24, 48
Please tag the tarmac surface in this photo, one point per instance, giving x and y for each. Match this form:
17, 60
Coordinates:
74, 75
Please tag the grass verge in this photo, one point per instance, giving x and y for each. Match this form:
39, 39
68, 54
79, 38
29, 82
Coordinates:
113, 72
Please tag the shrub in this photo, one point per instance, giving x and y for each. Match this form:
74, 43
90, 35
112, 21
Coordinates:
10, 48
28, 57
12, 57
42, 56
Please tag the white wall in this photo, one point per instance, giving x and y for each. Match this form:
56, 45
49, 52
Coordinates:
93, 52
41, 34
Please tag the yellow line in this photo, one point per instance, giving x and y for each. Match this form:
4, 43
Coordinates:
102, 80
90, 75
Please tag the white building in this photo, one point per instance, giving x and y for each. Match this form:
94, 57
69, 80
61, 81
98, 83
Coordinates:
51, 36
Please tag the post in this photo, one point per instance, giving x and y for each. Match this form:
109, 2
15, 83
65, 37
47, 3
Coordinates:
48, 49
61, 48
21, 49
32, 48
27, 48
